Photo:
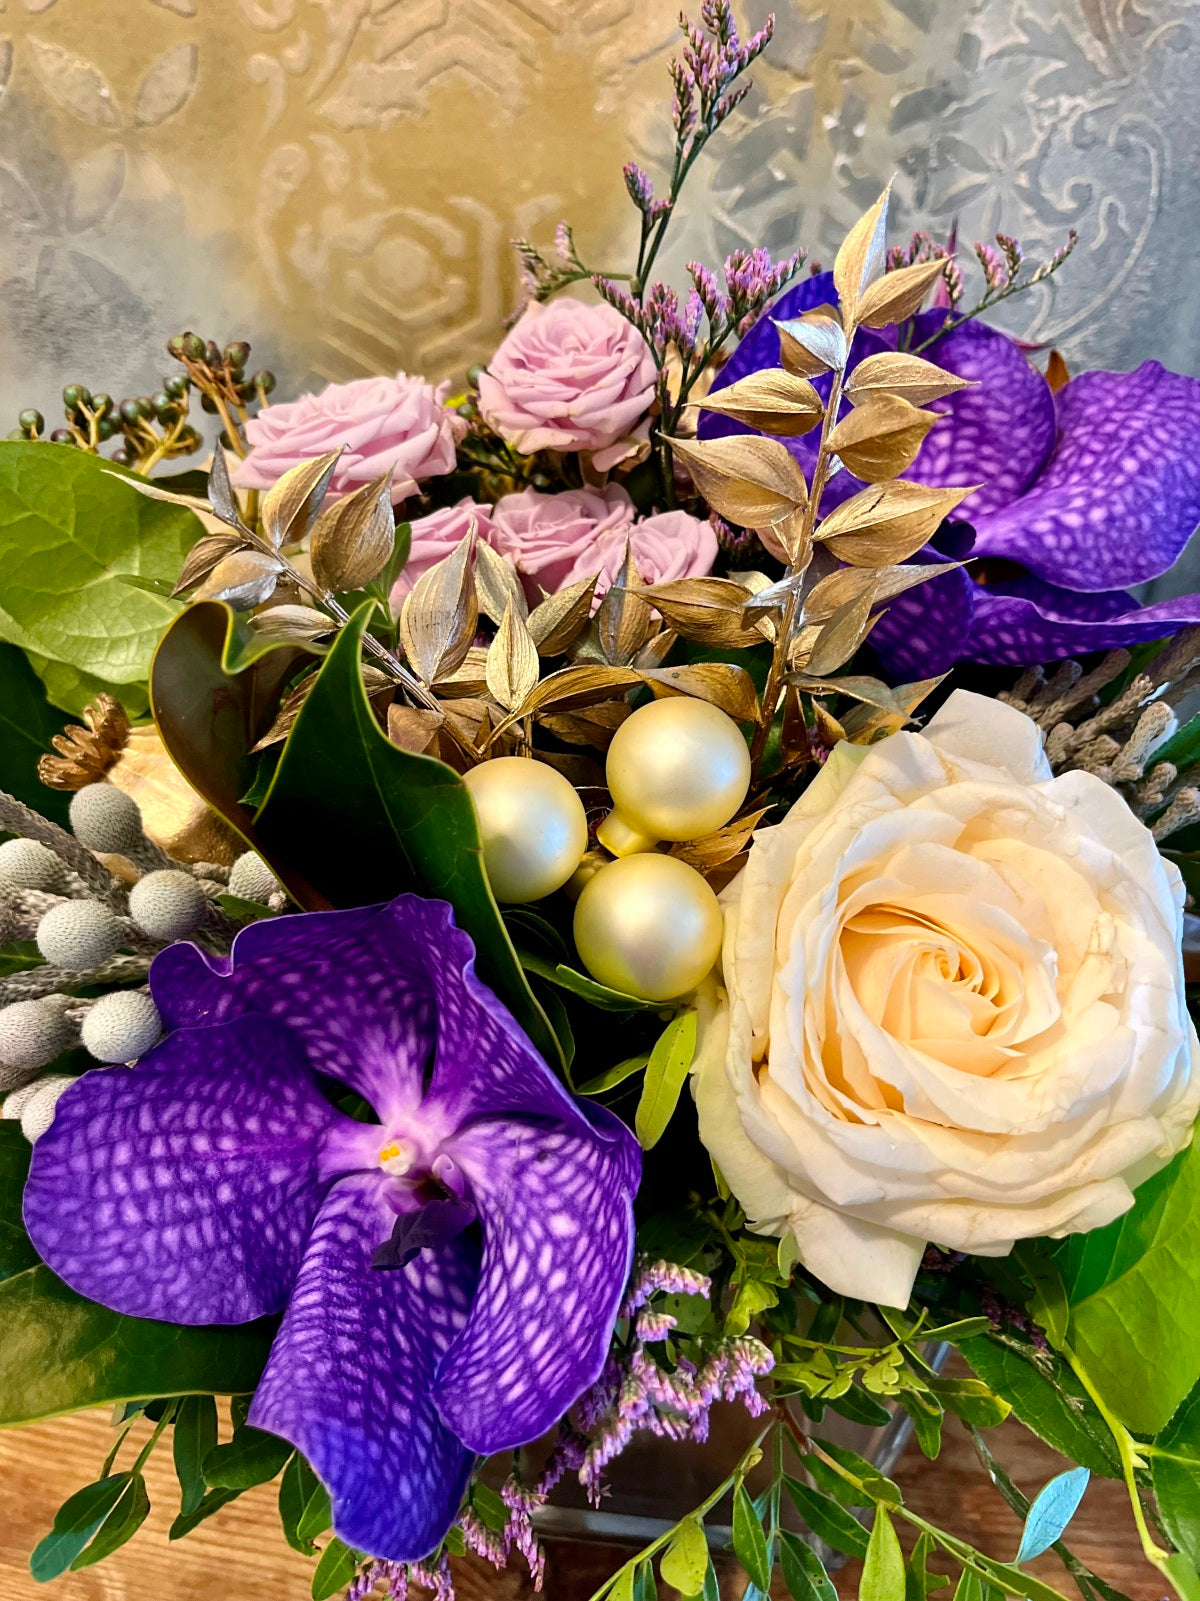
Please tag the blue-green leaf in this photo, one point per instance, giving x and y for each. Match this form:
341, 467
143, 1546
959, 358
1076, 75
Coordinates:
74, 1524
1051, 1510
252, 1457
121, 1524
827, 1520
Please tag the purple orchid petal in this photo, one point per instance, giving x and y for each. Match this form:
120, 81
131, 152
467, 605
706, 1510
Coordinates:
352, 985
998, 434
1026, 621
428, 1225
350, 1375
1120, 496
558, 1242
184, 1188
924, 631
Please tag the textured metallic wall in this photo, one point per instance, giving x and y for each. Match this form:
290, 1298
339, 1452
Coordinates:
338, 179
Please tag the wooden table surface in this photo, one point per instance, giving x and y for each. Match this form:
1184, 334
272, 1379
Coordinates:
239, 1555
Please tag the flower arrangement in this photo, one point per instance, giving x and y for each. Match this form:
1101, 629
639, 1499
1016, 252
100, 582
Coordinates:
655, 879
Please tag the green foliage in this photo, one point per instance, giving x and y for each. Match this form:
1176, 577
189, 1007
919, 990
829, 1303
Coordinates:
596, 995
827, 1520
27, 724
193, 1437
1134, 1289
213, 1501
883, 1571
251, 1457
749, 1541
666, 1072
1175, 1474
685, 1561
75, 1522
803, 1571
121, 1524
1048, 1399
17, 1254
335, 1570
71, 525
304, 1510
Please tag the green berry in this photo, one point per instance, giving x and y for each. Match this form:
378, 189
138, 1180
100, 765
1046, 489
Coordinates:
32, 421
264, 381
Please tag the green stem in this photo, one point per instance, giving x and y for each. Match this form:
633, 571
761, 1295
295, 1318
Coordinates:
143, 1455
747, 1460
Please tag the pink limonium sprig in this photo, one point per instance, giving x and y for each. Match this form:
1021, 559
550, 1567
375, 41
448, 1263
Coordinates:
1002, 273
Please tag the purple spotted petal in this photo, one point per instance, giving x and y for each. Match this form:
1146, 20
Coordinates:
924, 631
558, 1241
1120, 495
350, 1374
353, 985
1026, 621
184, 1188
998, 434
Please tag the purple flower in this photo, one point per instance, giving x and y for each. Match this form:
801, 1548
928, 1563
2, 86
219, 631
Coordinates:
449, 1275
1084, 493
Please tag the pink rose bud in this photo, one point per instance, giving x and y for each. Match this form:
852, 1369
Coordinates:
398, 422
570, 376
556, 540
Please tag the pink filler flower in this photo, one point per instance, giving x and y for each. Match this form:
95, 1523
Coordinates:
398, 422
569, 376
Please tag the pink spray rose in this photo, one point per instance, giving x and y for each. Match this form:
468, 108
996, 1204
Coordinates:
569, 377
435, 536
398, 422
556, 540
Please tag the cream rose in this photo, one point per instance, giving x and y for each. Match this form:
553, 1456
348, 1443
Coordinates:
953, 1006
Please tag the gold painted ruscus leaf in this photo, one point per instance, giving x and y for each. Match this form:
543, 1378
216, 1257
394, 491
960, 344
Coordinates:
895, 372
750, 481
512, 665
289, 508
812, 344
353, 539
887, 523
774, 401
438, 621
880, 438
898, 295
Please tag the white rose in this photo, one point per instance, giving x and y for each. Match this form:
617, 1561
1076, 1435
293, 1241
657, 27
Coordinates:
954, 1006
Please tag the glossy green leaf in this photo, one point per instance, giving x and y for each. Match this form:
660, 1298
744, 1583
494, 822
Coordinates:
827, 1520
612, 1076
597, 995
749, 1541
251, 1457
685, 1561
803, 1571
1133, 1331
971, 1400
121, 1524
860, 1407
74, 1524
493, 1513
194, 1435
59, 1353
1055, 1408
17, 1255
304, 1509
214, 694
1048, 1302
67, 689
1175, 1474
876, 1487
752, 1297
1183, 1576
918, 1581
926, 1414
645, 1587
666, 1073
212, 1502
72, 525
335, 1570
381, 821
27, 724
883, 1571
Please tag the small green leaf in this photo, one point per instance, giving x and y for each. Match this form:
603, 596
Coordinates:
752, 1298
875, 1485
74, 1524
644, 1586
685, 1560
212, 1502
297, 1486
665, 1074
803, 1571
969, 1586
1182, 1574
493, 1513
612, 1076
1052, 1509
827, 1520
749, 1541
971, 1400
622, 1585
883, 1571
926, 1414
251, 1457
121, 1524
317, 1516
1048, 1304
919, 1581
194, 1436
860, 1407
1175, 1473
335, 1570
597, 995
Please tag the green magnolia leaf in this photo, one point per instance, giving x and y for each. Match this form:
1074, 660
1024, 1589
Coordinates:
71, 525
749, 1541
121, 1524
60, 1353
17, 1255
27, 724
212, 1502
803, 1571
251, 1457
381, 821
335, 1570
827, 1520
1055, 1408
685, 1561
665, 1074
214, 695
883, 1571
194, 1435
1175, 1474
1133, 1319
74, 1524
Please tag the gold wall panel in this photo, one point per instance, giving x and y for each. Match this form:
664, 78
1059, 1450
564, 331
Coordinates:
338, 180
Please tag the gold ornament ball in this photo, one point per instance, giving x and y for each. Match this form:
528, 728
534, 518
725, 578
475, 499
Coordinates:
532, 824
678, 768
648, 925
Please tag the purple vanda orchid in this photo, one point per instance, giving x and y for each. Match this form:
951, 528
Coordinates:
215, 1183
1083, 493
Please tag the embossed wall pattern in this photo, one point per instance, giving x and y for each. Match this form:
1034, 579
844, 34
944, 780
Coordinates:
339, 179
